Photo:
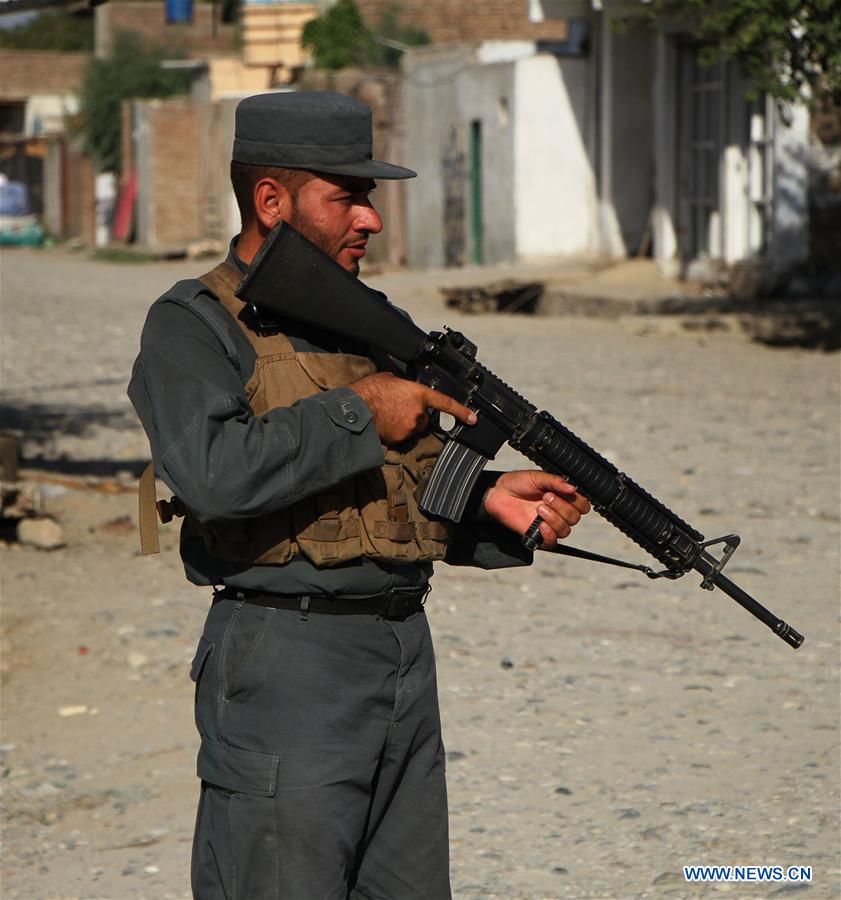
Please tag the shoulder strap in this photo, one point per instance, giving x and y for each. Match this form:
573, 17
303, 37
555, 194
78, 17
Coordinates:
195, 295
223, 281
188, 293
148, 512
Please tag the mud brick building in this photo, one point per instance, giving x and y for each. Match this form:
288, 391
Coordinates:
457, 21
205, 33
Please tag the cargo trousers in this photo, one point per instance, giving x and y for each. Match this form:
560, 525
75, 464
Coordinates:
321, 760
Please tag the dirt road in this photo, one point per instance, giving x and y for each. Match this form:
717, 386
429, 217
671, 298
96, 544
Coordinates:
603, 731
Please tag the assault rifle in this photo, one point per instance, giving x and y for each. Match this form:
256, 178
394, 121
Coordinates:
291, 278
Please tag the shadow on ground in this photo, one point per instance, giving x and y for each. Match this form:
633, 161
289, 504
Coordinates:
812, 323
38, 425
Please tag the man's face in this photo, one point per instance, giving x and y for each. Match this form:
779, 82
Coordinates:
335, 212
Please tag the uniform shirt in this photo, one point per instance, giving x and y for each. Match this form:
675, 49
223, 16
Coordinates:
224, 462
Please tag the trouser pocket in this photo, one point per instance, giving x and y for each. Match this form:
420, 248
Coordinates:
235, 848
203, 692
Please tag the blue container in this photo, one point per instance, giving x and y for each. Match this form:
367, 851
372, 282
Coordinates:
179, 10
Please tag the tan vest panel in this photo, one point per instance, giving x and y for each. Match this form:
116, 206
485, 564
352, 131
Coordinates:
373, 514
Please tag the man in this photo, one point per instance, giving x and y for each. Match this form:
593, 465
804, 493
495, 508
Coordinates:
296, 459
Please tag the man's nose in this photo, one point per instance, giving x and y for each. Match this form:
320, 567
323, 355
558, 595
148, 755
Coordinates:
368, 219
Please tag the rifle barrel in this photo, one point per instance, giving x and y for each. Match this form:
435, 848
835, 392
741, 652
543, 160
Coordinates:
781, 628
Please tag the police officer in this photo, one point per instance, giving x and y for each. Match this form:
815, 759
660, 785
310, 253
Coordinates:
295, 459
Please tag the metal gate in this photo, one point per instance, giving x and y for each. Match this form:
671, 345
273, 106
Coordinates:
700, 141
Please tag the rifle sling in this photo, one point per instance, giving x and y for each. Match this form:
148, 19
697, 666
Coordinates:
566, 550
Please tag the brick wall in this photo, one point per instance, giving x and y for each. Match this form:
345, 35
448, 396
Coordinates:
80, 197
27, 72
126, 141
170, 174
148, 19
446, 21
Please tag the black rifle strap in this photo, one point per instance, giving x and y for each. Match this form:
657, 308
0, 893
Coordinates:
566, 550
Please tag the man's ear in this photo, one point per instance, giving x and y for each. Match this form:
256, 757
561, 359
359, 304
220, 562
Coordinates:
272, 202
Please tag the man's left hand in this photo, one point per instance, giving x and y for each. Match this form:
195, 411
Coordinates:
518, 498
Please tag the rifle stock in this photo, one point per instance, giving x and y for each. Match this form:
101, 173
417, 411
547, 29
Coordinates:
292, 278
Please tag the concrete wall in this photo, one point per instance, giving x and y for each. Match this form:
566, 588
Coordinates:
47, 113
554, 190
444, 92
229, 75
790, 229
219, 214
538, 184
665, 239
54, 212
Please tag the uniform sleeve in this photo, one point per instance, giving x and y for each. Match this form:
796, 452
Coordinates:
479, 540
219, 458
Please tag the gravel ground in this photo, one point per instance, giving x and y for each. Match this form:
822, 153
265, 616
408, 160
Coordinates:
602, 730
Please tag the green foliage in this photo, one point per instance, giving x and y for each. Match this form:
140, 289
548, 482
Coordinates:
132, 70
339, 38
791, 49
390, 27
121, 255
52, 30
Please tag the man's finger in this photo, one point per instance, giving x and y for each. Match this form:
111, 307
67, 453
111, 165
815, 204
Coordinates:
559, 517
551, 535
447, 404
571, 499
547, 481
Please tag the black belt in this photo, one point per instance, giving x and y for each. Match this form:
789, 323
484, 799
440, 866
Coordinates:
394, 604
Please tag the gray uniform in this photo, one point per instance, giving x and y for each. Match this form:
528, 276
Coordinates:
321, 760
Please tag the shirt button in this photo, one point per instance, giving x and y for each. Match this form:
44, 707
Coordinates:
351, 417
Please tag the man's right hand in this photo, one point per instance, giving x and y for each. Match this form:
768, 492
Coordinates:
400, 406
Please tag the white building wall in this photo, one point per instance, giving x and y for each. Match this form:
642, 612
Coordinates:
47, 113
610, 231
665, 242
735, 203
790, 177
555, 199
446, 90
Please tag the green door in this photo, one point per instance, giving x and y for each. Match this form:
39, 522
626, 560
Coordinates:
476, 224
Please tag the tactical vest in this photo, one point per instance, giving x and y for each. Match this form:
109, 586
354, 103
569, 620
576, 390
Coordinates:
373, 514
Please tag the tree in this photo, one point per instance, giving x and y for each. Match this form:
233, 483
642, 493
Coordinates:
791, 49
390, 28
339, 38
52, 30
132, 70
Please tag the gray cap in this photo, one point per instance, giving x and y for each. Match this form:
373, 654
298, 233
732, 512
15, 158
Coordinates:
320, 130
